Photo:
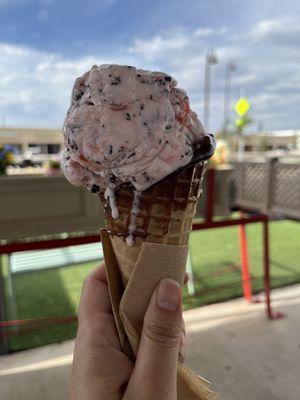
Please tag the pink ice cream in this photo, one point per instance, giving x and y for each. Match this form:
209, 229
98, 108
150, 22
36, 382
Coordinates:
127, 125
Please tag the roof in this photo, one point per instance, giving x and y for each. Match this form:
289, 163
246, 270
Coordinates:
30, 135
280, 133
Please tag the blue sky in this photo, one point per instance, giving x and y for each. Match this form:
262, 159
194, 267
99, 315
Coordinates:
80, 27
45, 44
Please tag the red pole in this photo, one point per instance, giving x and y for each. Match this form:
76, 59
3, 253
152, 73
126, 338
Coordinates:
246, 279
210, 194
47, 244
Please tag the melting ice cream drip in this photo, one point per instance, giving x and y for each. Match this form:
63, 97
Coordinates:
132, 223
109, 195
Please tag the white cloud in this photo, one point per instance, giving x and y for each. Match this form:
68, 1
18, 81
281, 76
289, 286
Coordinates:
36, 85
204, 32
158, 46
284, 31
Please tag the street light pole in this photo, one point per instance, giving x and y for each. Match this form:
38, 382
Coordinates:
210, 59
230, 67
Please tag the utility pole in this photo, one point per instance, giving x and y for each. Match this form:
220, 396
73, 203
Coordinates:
3, 122
230, 67
210, 59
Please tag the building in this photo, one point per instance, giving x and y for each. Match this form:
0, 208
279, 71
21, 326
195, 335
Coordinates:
32, 140
272, 140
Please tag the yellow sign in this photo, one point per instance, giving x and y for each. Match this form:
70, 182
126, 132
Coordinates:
242, 106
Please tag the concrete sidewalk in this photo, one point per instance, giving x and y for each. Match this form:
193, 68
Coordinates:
232, 344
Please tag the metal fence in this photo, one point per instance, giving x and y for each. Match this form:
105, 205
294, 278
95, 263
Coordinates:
271, 187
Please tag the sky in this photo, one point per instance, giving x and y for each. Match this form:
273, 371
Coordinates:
46, 44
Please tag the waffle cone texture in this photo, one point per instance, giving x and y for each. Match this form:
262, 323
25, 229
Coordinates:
164, 214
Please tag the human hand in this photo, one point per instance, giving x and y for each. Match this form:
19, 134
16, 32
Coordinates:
102, 371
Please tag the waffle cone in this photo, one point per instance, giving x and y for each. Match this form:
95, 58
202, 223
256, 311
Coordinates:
164, 215
163, 222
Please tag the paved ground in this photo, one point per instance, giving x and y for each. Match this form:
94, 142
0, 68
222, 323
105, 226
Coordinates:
232, 344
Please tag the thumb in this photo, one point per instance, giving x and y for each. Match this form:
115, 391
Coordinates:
155, 372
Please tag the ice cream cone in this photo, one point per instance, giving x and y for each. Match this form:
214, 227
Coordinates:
159, 249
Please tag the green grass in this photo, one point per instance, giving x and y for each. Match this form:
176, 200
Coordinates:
55, 292
47, 293
214, 252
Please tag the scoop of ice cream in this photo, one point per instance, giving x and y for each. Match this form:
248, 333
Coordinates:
127, 125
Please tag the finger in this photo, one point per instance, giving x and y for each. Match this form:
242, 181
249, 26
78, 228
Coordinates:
96, 324
155, 372
99, 273
99, 367
95, 296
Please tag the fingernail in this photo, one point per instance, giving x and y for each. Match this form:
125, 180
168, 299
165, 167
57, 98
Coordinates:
169, 294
